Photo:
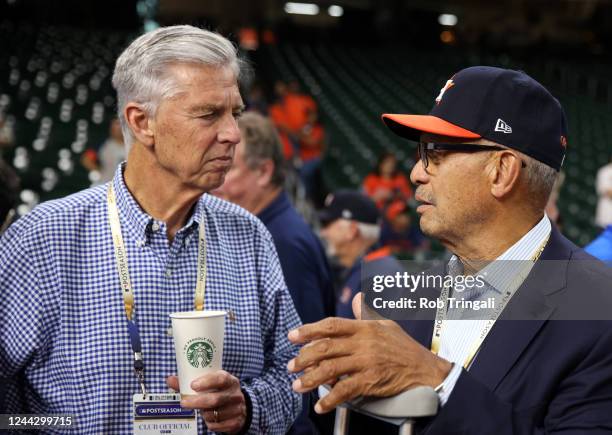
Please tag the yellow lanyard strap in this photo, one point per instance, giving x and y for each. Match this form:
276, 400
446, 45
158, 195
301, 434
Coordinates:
122, 263
441, 311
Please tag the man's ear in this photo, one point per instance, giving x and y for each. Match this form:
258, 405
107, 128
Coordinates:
266, 171
505, 174
352, 230
140, 123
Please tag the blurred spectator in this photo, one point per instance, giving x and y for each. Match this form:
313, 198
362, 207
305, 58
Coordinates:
256, 100
601, 247
312, 138
249, 38
398, 232
278, 114
255, 182
297, 105
291, 113
603, 215
312, 144
9, 194
111, 153
351, 227
387, 184
7, 133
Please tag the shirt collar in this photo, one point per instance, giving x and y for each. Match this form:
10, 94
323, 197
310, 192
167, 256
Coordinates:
135, 221
505, 268
526, 247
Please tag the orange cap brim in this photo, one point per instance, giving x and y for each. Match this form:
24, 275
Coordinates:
411, 126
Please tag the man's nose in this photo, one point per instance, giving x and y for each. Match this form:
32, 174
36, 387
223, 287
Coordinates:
419, 175
229, 131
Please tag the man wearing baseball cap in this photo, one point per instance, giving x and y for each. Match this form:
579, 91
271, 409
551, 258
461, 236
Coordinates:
351, 226
490, 151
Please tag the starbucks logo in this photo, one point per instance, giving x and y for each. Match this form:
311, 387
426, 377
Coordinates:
199, 352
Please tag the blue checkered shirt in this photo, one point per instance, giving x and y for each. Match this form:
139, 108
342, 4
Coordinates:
64, 344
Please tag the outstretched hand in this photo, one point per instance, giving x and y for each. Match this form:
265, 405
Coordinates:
361, 358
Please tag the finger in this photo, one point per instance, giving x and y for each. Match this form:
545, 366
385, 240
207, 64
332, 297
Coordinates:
228, 419
212, 400
224, 413
330, 382
172, 382
310, 368
327, 369
330, 327
321, 350
218, 380
345, 390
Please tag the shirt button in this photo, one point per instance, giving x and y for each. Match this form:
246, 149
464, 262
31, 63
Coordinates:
140, 243
169, 332
168, 273
155, 226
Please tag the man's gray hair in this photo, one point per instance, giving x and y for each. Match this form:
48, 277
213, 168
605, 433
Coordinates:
539, 179
261, 142
141, 73
369, 232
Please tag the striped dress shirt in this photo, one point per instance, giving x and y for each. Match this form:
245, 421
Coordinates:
460, 333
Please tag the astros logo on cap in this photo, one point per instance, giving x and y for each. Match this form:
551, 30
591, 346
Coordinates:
449, 84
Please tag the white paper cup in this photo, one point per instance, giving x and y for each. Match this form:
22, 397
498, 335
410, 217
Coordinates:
198, 344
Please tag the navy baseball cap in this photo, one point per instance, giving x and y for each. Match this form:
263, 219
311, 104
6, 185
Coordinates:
349, 204
504, 106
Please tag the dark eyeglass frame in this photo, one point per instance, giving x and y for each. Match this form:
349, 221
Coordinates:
460, 147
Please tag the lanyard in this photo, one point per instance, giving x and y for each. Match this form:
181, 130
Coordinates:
126, 284
441, 311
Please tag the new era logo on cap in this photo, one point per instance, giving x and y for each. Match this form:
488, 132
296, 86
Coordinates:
502, 126
503, 106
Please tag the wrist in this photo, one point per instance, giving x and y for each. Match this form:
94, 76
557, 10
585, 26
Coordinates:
248, 413
442, 369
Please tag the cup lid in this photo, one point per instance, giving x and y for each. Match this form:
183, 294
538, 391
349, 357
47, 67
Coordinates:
197, 314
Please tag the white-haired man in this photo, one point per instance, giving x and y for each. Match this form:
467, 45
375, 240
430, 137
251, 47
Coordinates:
74, 330
351, 225
490, 151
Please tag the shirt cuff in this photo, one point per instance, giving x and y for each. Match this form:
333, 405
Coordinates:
251, 424
449, 383
249, 412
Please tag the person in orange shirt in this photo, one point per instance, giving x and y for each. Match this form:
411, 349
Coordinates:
312, 138
297, 107
278, 114
387, 183
312, 144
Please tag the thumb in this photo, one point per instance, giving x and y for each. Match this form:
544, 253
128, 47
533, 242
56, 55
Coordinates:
172, 382
356, 305
363, 311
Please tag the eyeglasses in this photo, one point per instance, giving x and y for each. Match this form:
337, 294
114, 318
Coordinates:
427, 150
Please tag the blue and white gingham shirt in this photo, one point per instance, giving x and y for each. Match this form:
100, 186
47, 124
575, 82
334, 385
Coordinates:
64, 344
